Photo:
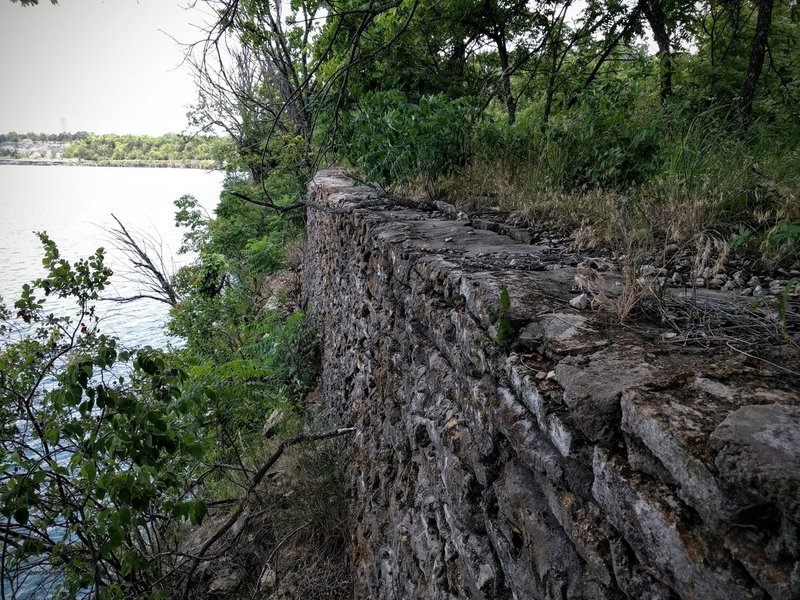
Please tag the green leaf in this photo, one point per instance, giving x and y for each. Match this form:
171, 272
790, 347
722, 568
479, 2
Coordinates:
505, 300
21, 515
51, 435
197, 512
505, 331
89, 470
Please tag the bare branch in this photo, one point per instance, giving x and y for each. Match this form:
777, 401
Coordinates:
257, 478
148, 265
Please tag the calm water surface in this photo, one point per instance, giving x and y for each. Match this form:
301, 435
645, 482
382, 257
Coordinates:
74, 206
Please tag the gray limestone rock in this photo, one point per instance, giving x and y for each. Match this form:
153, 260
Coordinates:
759, 449
580, 302
651, 520
593, 394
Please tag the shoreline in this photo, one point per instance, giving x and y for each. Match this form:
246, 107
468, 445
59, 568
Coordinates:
70, 162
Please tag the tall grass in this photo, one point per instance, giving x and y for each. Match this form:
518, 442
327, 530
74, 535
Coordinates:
620, 162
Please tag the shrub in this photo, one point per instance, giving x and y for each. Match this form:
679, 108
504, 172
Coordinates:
609, 140
393, 140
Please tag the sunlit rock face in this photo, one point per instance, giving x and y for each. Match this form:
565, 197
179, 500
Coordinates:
573, 460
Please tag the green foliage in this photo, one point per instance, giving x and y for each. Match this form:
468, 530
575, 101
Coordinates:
393, 140
93, 147
104, 450
95, 439
243, 359
610, 140
777, 244
597, 112
505, 331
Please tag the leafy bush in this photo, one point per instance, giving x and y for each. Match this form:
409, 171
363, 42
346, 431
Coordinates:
609, 140
393, 140
97, 443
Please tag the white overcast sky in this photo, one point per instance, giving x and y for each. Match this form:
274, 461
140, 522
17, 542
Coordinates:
106, 66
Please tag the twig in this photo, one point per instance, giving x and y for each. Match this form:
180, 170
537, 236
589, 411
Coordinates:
777, 366
259, 476
279, 545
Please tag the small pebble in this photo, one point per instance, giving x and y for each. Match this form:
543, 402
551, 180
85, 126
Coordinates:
746, 292
699, 282
754, 282
580, 302
777, 284
669, 335
729, 286
647, 270
758, 291
677, 278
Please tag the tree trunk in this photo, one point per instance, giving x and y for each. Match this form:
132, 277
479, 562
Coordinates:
757, 52
654, 13
551, 84
508, 95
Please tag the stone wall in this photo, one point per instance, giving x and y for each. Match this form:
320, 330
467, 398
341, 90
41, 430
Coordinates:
577, 460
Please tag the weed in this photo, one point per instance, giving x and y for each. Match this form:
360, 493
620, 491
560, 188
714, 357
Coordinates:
499, 318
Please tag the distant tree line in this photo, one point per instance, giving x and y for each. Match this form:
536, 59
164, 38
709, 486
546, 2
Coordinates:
13, 136
89, 146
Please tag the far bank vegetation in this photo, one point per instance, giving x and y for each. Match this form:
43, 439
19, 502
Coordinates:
112, 148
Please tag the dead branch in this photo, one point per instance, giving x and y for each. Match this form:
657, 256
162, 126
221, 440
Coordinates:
257, 478
148, 267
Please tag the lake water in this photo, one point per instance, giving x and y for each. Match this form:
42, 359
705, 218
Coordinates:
74, 206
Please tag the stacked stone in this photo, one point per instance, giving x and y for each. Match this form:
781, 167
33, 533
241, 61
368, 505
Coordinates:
575, 460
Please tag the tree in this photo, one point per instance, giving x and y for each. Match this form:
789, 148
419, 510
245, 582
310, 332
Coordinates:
756, 63
31, 2
94, 442
254, 80
507, 24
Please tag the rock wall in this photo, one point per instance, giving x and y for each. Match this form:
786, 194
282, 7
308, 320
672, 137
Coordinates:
576, 460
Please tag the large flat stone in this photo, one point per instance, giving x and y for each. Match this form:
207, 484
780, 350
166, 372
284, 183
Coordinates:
759, 449
692, 560
676, 425
594, 384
